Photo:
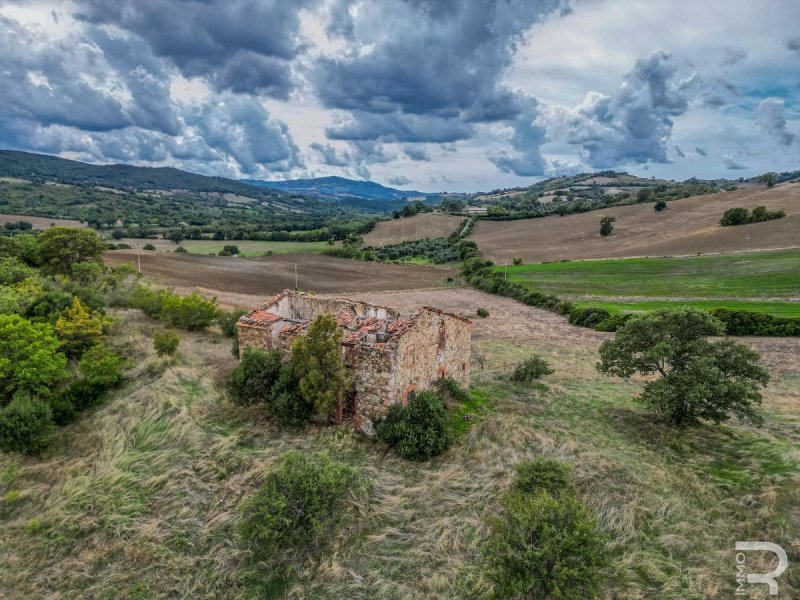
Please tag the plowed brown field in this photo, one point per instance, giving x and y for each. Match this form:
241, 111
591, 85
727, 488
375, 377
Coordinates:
687, 227
417, 227
239, 281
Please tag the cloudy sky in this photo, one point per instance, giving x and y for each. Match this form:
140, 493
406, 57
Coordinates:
421, 94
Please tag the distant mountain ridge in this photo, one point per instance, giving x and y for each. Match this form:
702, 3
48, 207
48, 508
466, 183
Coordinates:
339, 188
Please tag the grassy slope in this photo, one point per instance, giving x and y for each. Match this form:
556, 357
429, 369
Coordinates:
139, 499
732, 280
249, 248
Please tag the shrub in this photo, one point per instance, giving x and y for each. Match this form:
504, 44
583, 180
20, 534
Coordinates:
148, 247
80, 328
450, 391
286, 405
252, 380
81, 394
613, 322
483, 313
30, 360
542, 475
735, 216
64, 412
742, 322
530, 370
25, 425
101, 366
517, 261
49, 306
419, 430
588, 317
545, 547
298, 509
661, 205
192, 312
149, 300
227, 321
181, 250
166, 342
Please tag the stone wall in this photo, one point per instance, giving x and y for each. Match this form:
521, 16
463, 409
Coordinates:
373, 372
253, 337
438, 346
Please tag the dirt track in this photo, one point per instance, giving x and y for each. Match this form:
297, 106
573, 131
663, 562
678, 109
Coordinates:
417, 227
687, 227
238, 281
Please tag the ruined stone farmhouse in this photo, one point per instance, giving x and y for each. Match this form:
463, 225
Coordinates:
390, 357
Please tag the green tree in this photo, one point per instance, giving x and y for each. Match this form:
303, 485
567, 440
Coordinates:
30, 360
192, 312
735, 216
606, 227
317, 359
176, 236
644, 194
58, 248
80, 328
697, 378
770, 179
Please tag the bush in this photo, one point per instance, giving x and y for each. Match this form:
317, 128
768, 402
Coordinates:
251, 382
298, 509
588, 317
101, 366
542, 475
148, 247
530, 370
192, 312
483, 313
450, 391
606, 226
545, 547
517, 261
166, 342
29, 358
286, 405
25, 425
742, 322
419, 430
80, 328
81, 394
149, 300
181, 250
227, 321
661, 205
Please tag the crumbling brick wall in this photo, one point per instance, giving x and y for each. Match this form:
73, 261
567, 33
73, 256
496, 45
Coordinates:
438, 346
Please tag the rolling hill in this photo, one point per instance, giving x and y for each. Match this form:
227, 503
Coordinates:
339, 188
688, 226
418, 227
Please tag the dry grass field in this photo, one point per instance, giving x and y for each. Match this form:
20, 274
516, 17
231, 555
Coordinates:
244, 282
418, 227
139, 499
687, 227
39, 222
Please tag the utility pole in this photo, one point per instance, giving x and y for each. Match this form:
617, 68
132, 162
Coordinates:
295, 276
139, 257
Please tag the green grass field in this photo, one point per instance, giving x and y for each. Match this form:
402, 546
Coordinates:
246, 247
767, 282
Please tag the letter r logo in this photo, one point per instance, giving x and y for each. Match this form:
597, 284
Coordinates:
768, 578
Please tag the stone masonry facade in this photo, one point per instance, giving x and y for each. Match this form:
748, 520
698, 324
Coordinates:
390, 357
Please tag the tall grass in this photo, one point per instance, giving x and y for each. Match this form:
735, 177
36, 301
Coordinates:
140, 499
